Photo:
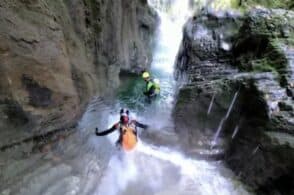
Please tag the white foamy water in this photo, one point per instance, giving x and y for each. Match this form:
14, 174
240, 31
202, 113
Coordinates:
161, 170
158, 170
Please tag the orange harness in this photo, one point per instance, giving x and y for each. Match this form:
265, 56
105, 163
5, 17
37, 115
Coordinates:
129, 138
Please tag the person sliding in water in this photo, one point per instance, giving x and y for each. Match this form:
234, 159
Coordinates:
152, 88
127, 131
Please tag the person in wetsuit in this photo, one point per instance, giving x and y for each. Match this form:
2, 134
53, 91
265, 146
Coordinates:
152, 88
127, 130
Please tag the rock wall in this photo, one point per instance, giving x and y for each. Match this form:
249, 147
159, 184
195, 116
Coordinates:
205, 63
56, 55
254, 62
264, 48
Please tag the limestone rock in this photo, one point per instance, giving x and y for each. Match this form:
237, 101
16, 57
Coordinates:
56, 55
256, 140
205, 61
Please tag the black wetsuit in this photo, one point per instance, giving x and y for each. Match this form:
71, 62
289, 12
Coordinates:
150, 93
118, 125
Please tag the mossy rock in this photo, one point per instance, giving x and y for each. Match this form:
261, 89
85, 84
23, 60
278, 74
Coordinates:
285, 4
262, 65
262, 41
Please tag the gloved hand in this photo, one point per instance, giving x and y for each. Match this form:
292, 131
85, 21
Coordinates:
96, 131
146, 127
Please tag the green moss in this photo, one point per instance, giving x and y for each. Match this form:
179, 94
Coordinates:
273, 60
223, 4
262, 65
290, 41
185, 95
286, 4
268, 57
244, 5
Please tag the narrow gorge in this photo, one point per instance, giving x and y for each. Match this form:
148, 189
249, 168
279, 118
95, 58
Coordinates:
222, 124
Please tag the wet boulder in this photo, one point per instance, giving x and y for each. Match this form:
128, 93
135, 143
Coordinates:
204, 63
262, 152
256, 140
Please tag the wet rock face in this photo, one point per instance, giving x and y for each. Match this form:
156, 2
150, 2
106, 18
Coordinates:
204, 61
257, 139
54, 56
272, 52
38, 96
125, 29
268, 144
201, 112
206, 48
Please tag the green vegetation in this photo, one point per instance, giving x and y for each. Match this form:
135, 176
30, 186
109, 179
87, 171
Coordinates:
244, 4
224, 4
263, 65
286, 4
272, 60
217, 5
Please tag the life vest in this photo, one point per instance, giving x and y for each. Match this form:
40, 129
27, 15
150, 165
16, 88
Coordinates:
157, 86
129, 138
154, 84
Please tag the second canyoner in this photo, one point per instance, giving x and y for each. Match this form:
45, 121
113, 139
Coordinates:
152, 88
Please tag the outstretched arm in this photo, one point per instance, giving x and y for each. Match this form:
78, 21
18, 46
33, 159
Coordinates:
106, 132
141, 125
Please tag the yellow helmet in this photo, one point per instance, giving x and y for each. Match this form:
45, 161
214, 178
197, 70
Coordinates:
145, 75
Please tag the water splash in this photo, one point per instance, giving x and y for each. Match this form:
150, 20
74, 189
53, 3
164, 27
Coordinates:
232, 104
255, 150
119, 173
216, 135
159, 170
235, 131
223, 120
210, 105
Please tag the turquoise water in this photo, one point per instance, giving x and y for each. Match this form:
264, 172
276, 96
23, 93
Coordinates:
130, 93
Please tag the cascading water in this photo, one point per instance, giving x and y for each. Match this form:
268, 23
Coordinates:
155, 169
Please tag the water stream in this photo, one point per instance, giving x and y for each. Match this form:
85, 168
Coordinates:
153, 168
210, 105
220, 126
